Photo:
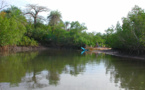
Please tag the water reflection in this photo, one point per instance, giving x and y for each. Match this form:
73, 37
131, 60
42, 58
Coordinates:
41, 80
82, 52
14, 67
70, 70
129, 74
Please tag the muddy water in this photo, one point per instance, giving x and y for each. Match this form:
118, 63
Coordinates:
70, 70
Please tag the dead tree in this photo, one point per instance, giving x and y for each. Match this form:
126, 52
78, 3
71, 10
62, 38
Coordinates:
33, 10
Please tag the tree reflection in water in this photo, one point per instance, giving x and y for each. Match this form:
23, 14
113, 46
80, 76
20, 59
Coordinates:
29, 67
127, 73
44, 68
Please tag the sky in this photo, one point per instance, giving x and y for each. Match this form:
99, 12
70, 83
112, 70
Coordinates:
98, 15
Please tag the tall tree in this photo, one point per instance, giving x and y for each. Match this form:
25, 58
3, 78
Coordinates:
33, 10
54, 18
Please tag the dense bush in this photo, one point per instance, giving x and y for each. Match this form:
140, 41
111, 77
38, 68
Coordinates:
11, 31
16, 30
131, 35
26, 41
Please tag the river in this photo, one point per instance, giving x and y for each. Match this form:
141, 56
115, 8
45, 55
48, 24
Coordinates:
69, 70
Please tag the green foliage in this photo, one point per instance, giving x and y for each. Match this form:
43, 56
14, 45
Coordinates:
13, 28
15, 12
77, 27
54, 17
26, 41
99, 39
129, 36
16, 31
11, 31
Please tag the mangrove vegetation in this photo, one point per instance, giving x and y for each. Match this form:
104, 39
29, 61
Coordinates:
130, 36
27, 28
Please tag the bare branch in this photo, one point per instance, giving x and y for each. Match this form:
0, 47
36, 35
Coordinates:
33, 10
3, 5
37, 8
30, 13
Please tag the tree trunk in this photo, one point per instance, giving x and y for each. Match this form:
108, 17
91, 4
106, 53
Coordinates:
35, 22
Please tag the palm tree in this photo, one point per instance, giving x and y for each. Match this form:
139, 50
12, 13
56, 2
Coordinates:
54, 18
66, 25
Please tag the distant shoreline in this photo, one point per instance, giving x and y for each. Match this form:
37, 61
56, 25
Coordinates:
30, 48
96, 50
116, 53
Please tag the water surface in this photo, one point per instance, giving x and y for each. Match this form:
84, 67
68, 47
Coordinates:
69, 70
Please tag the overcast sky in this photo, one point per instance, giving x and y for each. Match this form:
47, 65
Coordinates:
97, 15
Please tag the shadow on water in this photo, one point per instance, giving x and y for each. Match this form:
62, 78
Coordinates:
46, 68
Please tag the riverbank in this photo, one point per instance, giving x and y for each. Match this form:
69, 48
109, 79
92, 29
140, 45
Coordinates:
32, 48
108, 51
22, 48
118, 54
